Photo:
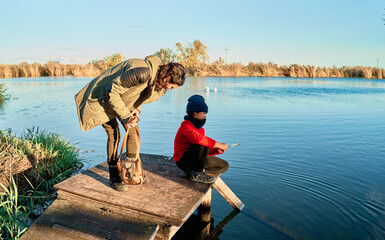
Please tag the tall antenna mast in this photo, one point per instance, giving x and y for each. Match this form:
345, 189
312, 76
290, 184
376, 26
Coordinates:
227, 54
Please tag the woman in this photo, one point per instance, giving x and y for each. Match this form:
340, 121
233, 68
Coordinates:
119, 93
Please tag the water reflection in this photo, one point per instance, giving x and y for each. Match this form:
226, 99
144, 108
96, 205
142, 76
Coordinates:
283, 231
194, 229
218, 230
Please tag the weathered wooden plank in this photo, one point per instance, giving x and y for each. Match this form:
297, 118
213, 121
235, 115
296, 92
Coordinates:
226, 192
166, 195
76, 233
73, 219
109, 208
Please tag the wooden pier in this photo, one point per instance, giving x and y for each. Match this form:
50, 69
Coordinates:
88, 208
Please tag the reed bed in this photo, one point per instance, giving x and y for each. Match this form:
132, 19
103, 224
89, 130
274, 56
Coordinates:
55, 68
50, 69
195, 68
294, 70
29, 167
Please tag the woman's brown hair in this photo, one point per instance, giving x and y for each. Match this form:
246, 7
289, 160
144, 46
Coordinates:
170, 73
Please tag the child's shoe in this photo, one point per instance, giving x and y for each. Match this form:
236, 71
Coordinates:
201, 177
183, 174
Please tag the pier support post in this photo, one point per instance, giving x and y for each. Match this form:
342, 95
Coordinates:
204, 214
204, 210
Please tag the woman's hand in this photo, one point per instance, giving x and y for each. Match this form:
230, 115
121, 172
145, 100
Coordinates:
135, 112
134, 119
132, 122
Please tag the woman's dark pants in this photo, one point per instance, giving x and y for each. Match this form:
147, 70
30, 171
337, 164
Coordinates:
113, 138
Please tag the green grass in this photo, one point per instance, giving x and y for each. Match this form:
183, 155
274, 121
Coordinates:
56, 159
3, 94
11, 213
50, 159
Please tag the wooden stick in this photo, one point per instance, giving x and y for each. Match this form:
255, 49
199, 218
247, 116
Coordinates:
235, 144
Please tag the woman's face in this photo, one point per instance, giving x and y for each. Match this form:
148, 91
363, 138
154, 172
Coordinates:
171, 86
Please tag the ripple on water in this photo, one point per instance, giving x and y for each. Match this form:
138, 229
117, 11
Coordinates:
23, 110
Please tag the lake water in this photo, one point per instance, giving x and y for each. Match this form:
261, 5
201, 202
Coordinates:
311, 164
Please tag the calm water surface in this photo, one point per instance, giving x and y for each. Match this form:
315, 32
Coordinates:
311, 165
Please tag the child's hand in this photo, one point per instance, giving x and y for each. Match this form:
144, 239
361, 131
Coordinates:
225, 147
221, 146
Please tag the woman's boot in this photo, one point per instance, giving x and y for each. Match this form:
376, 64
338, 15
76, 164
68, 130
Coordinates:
115, 181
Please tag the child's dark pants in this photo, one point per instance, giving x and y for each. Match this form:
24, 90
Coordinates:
196, 159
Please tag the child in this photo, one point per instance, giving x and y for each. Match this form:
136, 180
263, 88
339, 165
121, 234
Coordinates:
192, 147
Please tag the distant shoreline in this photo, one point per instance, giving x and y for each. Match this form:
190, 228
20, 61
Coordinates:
215, 69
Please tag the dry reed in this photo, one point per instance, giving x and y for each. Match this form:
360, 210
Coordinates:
51, 69
217, 68
294, 70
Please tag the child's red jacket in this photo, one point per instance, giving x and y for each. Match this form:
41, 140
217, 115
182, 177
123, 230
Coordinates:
187, 135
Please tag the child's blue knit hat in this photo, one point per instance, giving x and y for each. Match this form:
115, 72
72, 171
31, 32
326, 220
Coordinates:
196, 103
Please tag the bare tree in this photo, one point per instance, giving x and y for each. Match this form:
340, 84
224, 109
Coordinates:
383, 19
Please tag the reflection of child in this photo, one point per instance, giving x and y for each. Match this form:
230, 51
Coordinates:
193, 150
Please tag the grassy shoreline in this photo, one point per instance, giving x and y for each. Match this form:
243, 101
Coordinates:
29, 167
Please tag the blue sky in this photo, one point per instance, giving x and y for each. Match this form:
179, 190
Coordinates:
321, 33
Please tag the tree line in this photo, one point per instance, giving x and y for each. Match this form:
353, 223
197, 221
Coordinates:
196, 60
